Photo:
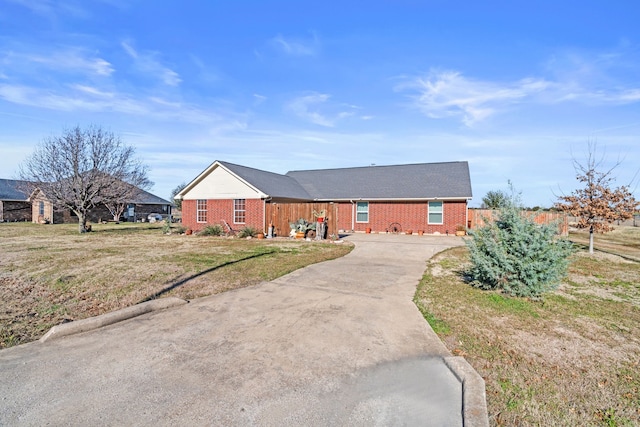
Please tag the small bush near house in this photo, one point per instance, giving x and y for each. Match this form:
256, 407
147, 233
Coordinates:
212, 230
247, 232
516, 255
179, 229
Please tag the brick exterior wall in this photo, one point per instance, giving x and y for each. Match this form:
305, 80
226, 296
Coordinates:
218, 210
48, 214
15, 211
410, 215
101, 213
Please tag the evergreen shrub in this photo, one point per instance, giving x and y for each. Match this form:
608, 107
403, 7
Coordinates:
516, 255
212, 230
247, 231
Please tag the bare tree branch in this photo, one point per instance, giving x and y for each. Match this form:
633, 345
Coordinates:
597, 205
84, 168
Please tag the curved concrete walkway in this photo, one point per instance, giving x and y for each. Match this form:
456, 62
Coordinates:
336, 343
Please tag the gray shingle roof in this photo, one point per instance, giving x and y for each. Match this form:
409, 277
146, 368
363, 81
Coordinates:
146, 198
272, 184
11, 189
412, 181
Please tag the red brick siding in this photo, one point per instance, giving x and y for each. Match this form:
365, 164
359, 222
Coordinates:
218, 210
344, 216
410, 216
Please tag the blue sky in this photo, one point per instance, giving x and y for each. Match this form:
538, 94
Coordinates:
515, 88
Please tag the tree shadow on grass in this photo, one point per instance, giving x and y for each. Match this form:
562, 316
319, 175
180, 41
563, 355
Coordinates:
202, 273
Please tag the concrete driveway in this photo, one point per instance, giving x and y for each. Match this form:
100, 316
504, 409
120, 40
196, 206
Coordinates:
336, 343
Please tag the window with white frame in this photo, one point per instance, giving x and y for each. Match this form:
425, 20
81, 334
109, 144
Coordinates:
239, 211
362, 211
201, 211
435, 213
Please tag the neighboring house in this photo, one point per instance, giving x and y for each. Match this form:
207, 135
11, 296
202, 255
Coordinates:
144, 204
428, 197
14, 205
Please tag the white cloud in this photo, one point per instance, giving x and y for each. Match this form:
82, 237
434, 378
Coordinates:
449, 94
52, 9
316, 109
72, 59
84, 98
443, 94
259, 99
148, 64
302, 107
297, 46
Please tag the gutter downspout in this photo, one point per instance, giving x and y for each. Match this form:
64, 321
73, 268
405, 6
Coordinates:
264, 213
466, 213
353, 215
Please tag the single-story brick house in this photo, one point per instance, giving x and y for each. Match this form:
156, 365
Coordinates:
16, 205
428, 197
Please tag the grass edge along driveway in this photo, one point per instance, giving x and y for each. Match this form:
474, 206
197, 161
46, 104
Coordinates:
570, 358
50, 274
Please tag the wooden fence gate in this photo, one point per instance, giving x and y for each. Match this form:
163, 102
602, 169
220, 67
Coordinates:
282, 214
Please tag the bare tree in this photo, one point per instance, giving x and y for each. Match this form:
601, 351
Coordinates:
82, 169
596, 206
174, 192
120, 195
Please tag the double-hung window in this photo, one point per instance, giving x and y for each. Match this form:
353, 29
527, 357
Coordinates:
435, 213
362, 211
41, 208
201, 211
239, 211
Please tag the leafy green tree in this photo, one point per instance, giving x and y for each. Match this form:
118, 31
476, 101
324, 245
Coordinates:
495, 199
516, 255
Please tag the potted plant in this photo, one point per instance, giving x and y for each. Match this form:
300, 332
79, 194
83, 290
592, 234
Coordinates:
409, 232
420, 232
301, 228
461, 230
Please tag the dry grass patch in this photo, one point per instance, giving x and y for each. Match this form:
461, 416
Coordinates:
51, 274
571, 358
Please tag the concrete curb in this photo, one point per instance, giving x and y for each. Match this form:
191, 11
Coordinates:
474, 398
96, 322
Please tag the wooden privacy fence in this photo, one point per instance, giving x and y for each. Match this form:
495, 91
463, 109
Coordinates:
282, 214
477, 218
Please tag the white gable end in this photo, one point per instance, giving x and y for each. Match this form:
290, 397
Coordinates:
221, 184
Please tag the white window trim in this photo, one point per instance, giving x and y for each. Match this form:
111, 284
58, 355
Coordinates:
198, 210
362, 222
441, 212
240, 210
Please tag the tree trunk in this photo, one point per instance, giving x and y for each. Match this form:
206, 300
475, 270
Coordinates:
82, 222
591, 239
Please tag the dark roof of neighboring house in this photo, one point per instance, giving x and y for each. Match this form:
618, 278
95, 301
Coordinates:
146, 198
273, 184
11, 189
412, 181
